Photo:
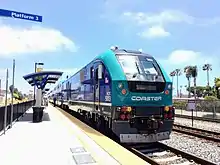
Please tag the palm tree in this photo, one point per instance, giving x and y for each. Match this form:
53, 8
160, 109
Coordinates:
188, 73
172, 74
178, 73
194, 72
207, 68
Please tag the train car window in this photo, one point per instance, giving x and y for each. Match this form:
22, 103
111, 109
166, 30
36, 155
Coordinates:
96, 74
70, 90
91, 72
103, 72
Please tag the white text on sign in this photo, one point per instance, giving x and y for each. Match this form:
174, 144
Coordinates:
23, 16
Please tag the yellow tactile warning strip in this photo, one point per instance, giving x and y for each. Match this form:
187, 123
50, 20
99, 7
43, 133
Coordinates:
89, 144
119, 153
90, 148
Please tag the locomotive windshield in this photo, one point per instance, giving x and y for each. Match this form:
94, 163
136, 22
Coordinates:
138, 68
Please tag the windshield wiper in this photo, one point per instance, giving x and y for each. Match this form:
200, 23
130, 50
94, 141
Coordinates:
137, 67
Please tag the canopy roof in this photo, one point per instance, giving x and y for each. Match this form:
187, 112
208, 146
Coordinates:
40, 79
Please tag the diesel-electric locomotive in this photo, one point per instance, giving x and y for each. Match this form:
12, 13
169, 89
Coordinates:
124, 91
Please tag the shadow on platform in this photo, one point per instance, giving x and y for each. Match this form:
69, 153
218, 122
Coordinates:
29, 117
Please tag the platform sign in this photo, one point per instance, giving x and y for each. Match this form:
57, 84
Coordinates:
39, 69
20, 15
191, 105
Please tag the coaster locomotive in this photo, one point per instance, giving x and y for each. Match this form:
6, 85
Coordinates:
124, 91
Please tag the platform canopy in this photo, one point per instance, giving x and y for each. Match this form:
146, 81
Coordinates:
40, 79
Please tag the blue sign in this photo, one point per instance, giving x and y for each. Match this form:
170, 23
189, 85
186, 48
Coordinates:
19, 15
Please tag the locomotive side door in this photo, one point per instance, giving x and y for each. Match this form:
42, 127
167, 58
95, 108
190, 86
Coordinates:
98, 67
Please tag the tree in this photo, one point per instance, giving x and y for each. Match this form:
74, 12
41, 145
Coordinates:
16, 90
11, 88
178, 73
200, 90
188, 73
173, 74
217, 86
212, 101
194, 72
20, 96
16, 94
207, 68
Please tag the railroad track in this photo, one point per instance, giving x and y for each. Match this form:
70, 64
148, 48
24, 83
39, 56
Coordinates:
161, 154
201, 133
198, 118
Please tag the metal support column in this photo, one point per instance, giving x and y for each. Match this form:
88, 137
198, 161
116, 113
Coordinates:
6, 102
12, 93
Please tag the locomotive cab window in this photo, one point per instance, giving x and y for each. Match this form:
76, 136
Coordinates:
140, 68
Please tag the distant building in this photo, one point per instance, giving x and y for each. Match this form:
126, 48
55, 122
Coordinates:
30, 94
3, 93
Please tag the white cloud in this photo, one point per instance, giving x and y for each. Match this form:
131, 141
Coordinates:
178, 57
162, 18
166, 17
152, 25
181, 58
18, 40
146, 22
154, 32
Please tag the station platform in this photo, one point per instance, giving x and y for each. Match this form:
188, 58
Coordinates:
62, 140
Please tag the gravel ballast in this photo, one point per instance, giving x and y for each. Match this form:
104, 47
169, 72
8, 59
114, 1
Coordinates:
211, 126
199, 147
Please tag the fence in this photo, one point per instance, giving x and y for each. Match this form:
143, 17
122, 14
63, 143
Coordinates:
204, 108
18, 110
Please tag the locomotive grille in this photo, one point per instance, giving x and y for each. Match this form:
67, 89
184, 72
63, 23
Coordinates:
146, 87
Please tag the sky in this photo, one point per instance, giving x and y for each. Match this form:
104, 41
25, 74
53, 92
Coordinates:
72, 33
